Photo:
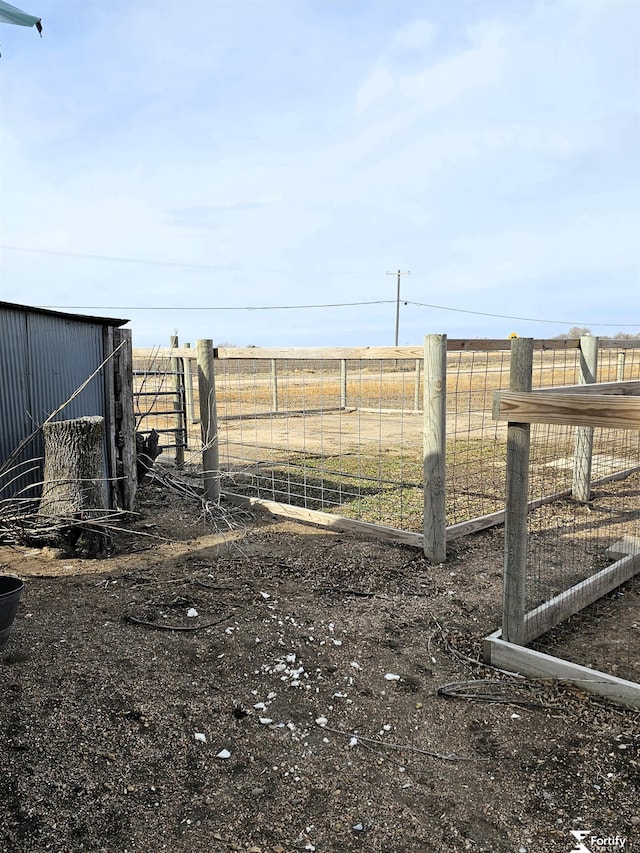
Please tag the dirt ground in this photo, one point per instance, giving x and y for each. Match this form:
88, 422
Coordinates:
315, 702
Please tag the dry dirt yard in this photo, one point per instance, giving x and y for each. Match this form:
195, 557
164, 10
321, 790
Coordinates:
301, 709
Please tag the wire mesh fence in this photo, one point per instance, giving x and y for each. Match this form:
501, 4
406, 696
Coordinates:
345, 435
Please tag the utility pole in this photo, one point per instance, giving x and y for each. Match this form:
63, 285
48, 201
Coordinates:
399, 273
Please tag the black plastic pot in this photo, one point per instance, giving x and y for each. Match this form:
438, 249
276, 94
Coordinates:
10, 592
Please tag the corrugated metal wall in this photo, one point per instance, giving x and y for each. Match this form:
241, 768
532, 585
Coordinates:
43, 360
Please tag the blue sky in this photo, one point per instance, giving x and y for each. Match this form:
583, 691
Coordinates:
221, 155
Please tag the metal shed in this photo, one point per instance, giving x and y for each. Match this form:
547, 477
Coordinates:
45, 357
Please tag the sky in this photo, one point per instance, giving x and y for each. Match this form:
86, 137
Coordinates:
195, 167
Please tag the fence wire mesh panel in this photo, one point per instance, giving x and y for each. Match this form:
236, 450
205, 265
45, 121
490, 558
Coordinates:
338, 435
345, 435
475, 444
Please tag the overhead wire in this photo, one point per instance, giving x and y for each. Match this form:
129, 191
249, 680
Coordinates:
230, 269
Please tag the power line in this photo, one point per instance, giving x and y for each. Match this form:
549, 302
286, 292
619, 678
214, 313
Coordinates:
524, 319
569, 323
209, 307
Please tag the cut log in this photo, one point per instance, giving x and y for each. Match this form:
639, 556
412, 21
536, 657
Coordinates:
74, 485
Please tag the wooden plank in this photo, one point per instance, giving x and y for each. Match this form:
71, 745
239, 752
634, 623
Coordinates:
434, 447
320, 353
569, 409
127, 431
576, 598
583, 437
356, 353
110, 416
325, 519
614, 343
513, 658
630, 388
516, 499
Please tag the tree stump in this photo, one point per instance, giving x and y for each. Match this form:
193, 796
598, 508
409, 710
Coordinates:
147, 451
74, 487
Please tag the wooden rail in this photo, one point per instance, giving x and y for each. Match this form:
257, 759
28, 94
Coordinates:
588, 409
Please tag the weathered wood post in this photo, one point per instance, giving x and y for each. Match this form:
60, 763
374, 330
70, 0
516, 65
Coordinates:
620, 367
208, 420
188, 389
343, 383
126, 467
274, 385
583, 448
434, 447
517, 495
178, 387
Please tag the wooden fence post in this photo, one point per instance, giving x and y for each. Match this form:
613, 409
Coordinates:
583, 452
177, 380
343, 383
517, 495
274, 384
620, 369
126, 467
188, 389
434, 447
208, 420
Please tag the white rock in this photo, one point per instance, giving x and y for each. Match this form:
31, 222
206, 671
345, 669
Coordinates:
355, 665
224, 753
358, 827
391, 676
265, 595
201, 736
192, 613
353, 742
260, 706
321, 721
387, 727
265, 720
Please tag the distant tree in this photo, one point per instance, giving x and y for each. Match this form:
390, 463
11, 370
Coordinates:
575, 332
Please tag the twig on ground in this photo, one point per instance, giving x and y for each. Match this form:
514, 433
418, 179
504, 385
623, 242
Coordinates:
451, 756
489, 690
160, 627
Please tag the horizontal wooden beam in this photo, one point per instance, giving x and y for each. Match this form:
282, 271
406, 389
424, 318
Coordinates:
623, 389
598, 410
615, 343
357, 353
576, 598
507, 656
326, 519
